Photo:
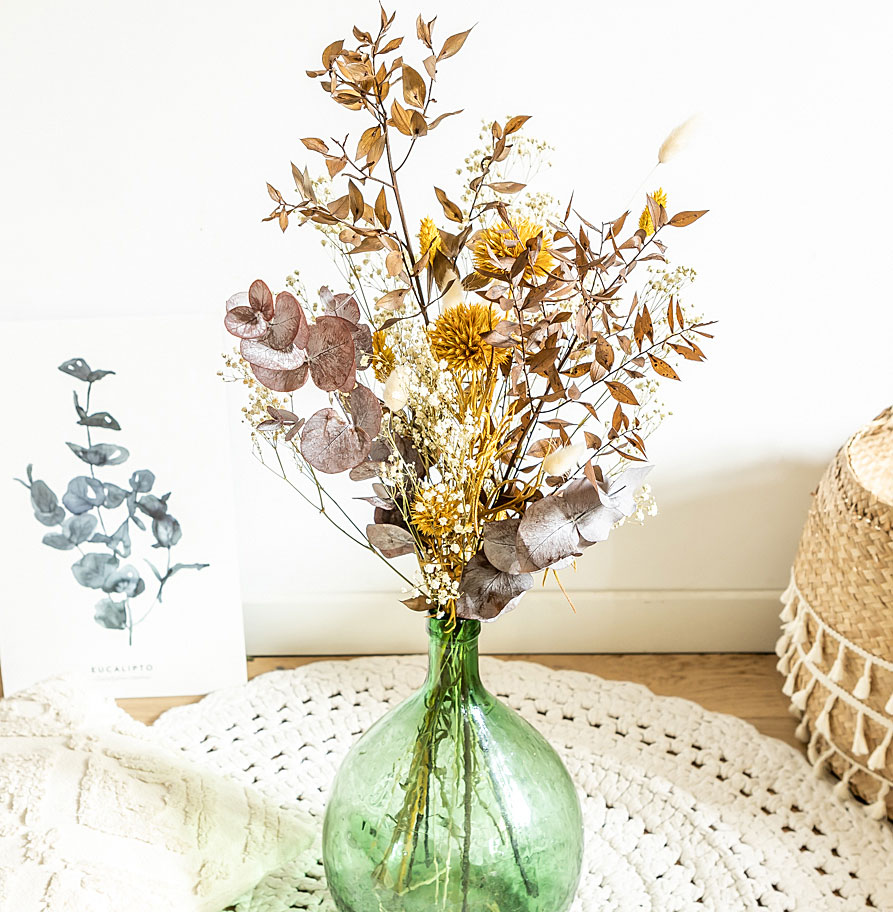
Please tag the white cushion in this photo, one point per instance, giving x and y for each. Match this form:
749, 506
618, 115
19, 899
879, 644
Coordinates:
96, 816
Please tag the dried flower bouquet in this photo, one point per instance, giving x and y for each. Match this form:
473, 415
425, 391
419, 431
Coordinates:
493, 380
492, 376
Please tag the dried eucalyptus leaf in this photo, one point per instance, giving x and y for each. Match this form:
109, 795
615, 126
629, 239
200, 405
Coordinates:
260, 299
501, 546
281, 381
390, 540
621, 492
331, 445
289, 326
365, 410
342, 305
259, 354
245, 323
331, 353
546, 534
365, 470
362, 343
486, 592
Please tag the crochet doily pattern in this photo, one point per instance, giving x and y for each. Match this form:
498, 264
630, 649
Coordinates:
684, 809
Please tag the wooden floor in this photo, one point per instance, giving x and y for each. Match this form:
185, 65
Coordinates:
743, 685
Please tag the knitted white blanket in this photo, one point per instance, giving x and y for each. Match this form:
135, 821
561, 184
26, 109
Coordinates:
684, 809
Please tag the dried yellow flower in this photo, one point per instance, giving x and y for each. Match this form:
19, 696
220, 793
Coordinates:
456, 338
504, 240
436, 512
383, 358
646, 223
429, 237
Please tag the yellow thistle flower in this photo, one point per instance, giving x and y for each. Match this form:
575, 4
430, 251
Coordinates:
456, 338
383, 358
437, 512
646, 223
503, 240
429, 237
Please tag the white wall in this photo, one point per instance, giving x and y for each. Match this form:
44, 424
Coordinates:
137, 139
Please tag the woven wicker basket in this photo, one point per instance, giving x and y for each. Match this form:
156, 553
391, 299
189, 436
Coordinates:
836, 650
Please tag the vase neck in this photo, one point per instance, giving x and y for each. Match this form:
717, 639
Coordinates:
453, 654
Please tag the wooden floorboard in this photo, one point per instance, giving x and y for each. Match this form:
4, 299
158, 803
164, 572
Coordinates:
743, 685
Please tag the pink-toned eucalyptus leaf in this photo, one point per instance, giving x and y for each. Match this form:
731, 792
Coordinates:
261, 355
392, 541
281, 381
260, 299
289, 324
365, 409
365, 470
486, 592
331, 445
362, 343
245, 323
330, 352
342, 305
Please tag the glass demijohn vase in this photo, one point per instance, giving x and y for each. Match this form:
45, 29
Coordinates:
452, 802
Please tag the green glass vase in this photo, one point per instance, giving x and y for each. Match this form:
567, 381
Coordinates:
452, 802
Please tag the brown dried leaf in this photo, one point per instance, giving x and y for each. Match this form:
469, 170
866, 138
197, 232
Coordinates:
281, 381
413, 87
485, 592
621, 392
604, 352
681, 219
453, 44
381, 210
506, 186
393, 300
513, 124
661, 367
441, 117
450, 209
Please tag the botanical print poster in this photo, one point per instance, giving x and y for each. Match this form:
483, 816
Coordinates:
118, 541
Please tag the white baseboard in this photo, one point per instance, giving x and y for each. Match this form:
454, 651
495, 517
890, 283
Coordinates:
691, 620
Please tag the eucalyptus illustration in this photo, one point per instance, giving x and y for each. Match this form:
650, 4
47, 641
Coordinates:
92, 506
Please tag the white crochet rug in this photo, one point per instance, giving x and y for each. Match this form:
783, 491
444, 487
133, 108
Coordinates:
684, 809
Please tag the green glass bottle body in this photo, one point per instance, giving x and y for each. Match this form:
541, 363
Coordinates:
452, 802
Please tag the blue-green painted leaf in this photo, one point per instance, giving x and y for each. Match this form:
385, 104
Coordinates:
142, 480
78, 529
93, 376
76, 367
114, 496
83, 494
110, 614
100, 454
153, 506
58, 540
167, 531
101, 420
92, 570
125, 580
45, 504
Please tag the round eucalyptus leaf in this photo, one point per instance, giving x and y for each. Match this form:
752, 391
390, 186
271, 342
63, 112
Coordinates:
114, 496
153, 506
110, 614
58, 540
142, 480
93, 569
125, 580
78, 529
83, 494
